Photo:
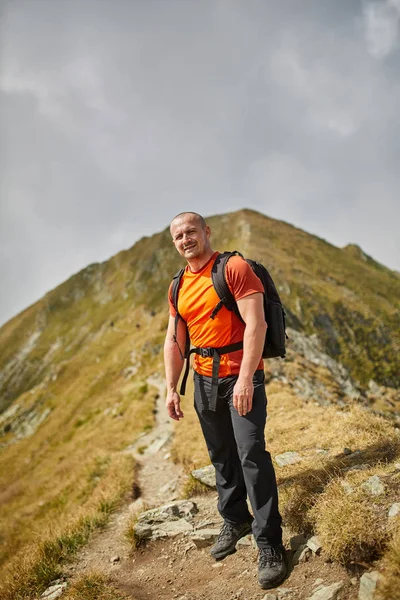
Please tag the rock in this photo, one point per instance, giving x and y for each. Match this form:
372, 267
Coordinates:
287, 458
329, 592
374, 486
359, 467
245, 541
347, 451
115, 559
318, 581
368, 585
171, 529
270, 596
54, 591
394, 510
354, 581
348, 489
169, 512
204, 537
302, 555
206, 475
282, 592
314, 544
296, 541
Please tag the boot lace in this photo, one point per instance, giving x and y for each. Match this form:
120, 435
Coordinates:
270, 556
226, 533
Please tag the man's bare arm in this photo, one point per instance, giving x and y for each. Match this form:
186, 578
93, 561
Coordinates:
251, 310
173, 361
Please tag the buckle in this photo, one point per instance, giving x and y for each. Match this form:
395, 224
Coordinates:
206, 352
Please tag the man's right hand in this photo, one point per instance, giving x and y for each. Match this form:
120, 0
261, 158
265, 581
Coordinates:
173, 404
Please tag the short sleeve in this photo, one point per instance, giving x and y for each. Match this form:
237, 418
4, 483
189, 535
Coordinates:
172, 310
241, 278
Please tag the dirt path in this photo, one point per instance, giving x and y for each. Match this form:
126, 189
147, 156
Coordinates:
174, 569
158, 482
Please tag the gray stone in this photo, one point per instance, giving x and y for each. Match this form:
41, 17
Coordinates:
171, 529
270, 596
301, 555
54, 591
204, 537
206, 475
169, 512
394, 510
146, 531
359, 467
368, 585
245, 541
329, 592
287, 458
374, 486
314, 544
348, 489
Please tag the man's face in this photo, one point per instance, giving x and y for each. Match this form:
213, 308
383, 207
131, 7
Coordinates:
189, 237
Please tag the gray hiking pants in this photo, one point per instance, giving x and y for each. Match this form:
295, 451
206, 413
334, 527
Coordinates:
236, 446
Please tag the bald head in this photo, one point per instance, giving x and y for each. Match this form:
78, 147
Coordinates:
196, 218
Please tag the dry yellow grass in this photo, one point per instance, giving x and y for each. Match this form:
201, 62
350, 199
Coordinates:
74, 463
313, 499
93, 587
389, 588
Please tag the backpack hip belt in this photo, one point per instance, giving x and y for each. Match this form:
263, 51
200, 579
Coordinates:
215, 354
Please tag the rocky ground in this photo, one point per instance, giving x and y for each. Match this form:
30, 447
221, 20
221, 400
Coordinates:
174, 563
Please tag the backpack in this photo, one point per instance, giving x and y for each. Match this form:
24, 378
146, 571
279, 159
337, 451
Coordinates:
275, 337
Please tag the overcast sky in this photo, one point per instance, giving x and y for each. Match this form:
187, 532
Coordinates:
117, 114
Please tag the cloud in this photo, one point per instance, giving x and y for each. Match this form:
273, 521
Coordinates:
381, 20
116, 116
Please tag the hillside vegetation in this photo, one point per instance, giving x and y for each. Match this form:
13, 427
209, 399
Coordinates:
76, 392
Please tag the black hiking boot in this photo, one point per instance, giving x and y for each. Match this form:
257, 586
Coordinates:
228, 538
272, 566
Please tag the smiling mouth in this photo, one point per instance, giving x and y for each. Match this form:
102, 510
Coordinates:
189, 247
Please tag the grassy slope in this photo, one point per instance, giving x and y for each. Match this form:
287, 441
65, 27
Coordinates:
322, 494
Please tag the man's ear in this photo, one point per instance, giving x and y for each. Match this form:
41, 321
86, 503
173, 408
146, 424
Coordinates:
208, 231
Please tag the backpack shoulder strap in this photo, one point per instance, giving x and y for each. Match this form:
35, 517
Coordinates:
220, 284
175, 288
174, 296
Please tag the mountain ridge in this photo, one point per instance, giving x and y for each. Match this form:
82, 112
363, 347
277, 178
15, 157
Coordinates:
351, 303
77, 373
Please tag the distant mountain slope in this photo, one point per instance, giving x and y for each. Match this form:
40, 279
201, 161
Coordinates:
347, 298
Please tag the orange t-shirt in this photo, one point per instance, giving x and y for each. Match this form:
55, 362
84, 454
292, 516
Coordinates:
197, 299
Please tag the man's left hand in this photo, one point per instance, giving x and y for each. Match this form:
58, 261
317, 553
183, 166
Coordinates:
243, 396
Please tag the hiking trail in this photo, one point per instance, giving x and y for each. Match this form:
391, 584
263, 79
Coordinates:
174, 568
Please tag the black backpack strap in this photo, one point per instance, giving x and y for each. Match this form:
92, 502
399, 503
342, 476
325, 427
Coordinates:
220, 284
174, 295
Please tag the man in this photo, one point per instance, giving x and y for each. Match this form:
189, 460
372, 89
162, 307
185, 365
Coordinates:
233, 418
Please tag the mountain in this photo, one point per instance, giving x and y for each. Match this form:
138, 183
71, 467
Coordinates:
77, 367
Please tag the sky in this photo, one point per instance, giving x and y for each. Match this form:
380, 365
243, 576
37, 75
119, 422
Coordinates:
115, 115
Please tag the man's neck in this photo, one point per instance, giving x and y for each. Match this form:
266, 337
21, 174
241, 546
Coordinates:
195, 264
